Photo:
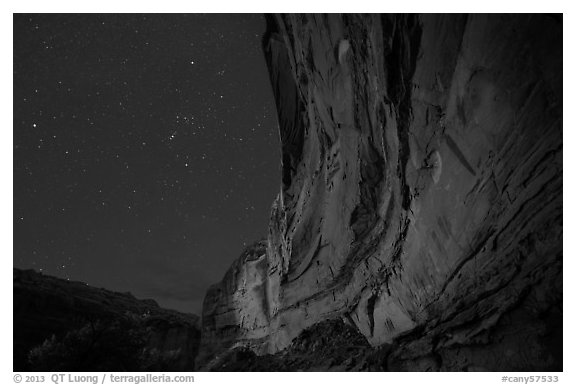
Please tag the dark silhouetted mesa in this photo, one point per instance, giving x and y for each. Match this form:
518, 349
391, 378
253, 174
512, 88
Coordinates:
421, 200
61, 325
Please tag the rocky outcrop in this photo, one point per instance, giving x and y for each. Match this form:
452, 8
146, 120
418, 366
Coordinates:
239, 302
330, 345
46, 306
421, 195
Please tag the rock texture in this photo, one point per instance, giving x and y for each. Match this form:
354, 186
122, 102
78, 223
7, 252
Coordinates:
421, 195
330, 345
46, 306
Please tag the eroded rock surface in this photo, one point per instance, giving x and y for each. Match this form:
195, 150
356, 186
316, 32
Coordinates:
46, 306
421, 196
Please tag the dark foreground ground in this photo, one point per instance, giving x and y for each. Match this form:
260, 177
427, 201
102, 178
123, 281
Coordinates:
328, 346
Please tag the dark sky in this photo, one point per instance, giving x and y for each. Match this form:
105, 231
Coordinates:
146, 150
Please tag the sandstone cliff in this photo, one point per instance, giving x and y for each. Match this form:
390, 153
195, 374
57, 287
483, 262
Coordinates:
421, 194
45, 306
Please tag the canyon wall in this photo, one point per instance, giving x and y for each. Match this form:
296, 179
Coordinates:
421, 192
107, 322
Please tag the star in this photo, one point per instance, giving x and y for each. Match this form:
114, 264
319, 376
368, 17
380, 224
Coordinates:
133, 127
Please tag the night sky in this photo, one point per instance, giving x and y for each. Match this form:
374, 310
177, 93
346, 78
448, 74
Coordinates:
146, 150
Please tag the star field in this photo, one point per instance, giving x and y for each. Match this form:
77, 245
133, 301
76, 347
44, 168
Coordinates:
146, 152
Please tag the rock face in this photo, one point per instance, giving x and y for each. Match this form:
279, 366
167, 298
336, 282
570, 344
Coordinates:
46, 306
421, 196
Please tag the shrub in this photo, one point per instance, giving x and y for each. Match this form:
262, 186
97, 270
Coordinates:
117, 345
